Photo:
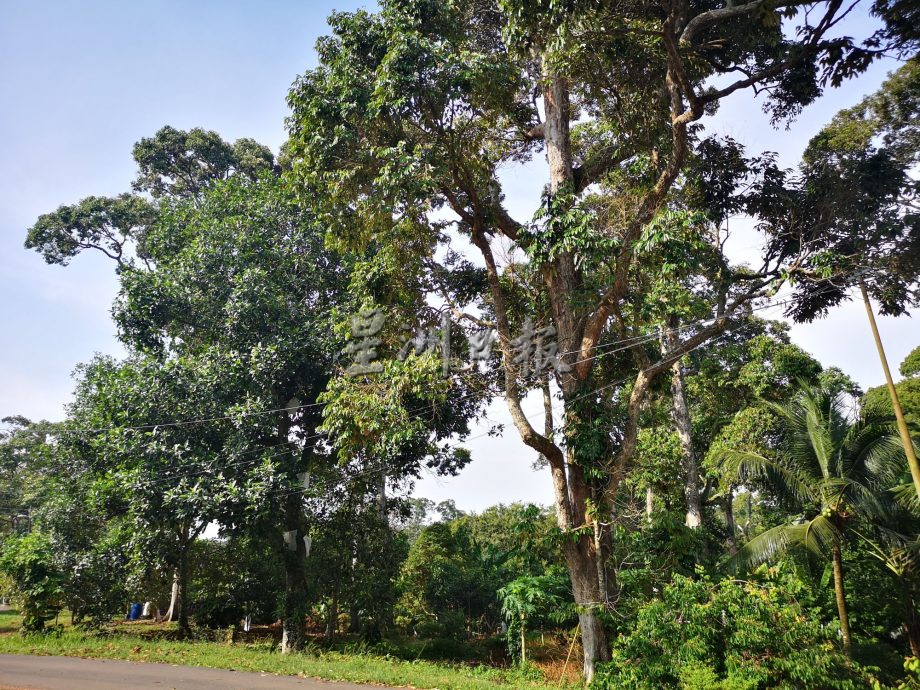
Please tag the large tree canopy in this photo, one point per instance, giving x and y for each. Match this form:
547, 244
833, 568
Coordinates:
851, 214
400, 135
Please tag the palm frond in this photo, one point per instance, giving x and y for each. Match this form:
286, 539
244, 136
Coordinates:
906, 496
817, 535
898, 552
783, 474
874, 449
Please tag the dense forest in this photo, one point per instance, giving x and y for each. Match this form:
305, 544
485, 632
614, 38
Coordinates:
309, 331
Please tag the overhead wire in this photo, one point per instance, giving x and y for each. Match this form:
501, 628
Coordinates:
376, 470
412, 414
600, 350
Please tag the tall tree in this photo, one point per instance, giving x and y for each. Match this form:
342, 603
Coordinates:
853, 204
908, 389
417, 108
232, 278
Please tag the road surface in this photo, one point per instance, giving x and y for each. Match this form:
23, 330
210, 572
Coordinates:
68, 673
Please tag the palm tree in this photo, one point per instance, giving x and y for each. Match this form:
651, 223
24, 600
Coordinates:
824, 465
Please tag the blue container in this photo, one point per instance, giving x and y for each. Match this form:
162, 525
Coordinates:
135, 613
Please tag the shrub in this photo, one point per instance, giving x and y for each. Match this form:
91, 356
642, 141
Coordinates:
39, 584
728, 635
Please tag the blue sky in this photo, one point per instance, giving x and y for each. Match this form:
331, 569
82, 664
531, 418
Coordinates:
81, 82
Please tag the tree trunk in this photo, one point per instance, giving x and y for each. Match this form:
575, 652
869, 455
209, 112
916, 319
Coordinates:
912, 626
747, 523
523, 642
354, 620
682, 425
182, 593
582, 568
840, 596
173, 609
732, 528
649, 504
382, 495
573, 491
594, 642
601, 549
295, 606
332, 618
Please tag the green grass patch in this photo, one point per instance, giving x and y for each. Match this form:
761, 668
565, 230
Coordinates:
9, 621
263, 658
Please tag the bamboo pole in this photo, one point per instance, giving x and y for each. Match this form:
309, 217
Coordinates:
895, 402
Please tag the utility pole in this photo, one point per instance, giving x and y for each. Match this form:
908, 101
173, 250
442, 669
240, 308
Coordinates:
895, 403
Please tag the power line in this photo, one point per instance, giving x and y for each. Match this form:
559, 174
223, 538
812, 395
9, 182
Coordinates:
374, 470
188, 422
263, 458
600, 350
411, 415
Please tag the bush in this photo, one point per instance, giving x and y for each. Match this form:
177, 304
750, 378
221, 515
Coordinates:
911, 675
229, 580
728, 635
39, 584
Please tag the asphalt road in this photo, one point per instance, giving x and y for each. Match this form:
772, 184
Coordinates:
68, 673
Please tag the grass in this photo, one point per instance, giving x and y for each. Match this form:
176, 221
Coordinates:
9, 621
262, 657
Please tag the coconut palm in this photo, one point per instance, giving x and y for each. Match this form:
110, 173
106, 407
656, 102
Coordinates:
827, 466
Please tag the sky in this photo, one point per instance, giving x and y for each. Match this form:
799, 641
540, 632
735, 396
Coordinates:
80, 83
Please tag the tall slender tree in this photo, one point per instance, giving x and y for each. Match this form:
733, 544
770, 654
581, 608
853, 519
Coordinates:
403, 129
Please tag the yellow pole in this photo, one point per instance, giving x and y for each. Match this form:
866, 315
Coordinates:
895, 403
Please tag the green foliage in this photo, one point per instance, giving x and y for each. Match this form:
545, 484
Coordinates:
728, 635
908, 390
109, 225
531, 600
514, 540
442, 583
28, 465
562, 226
821, 464
856, 197
182, 164
229, 579
910, 366
912, 675
39, 584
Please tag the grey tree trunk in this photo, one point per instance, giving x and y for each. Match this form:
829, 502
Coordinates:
580, 559
680, 414
747, 522
295, 606
173, 609
731, 526
584, 558
354, 620
912, 626
332, 620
